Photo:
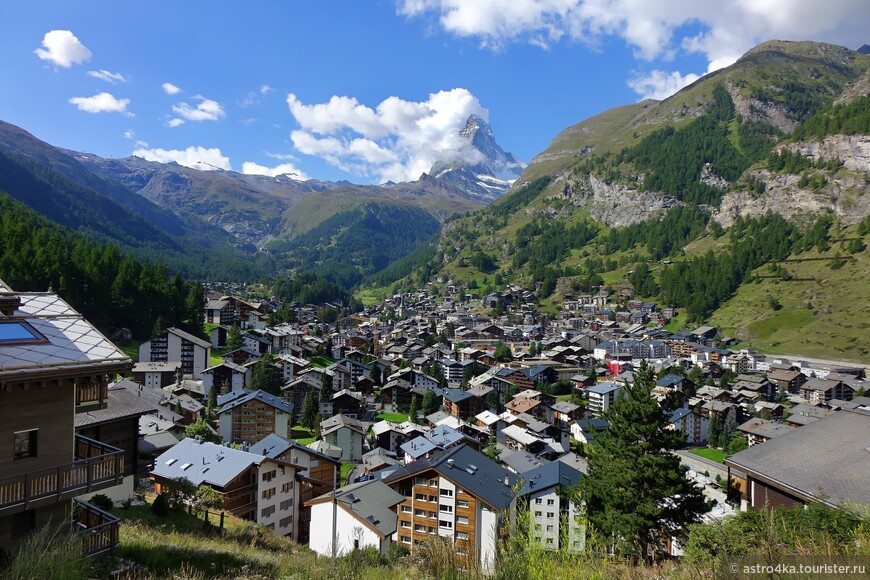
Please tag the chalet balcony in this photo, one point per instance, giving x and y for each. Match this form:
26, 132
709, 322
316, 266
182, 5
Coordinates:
91, 396
96, 466
99, 529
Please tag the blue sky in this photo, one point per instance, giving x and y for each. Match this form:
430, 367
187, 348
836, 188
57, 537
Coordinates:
359, 90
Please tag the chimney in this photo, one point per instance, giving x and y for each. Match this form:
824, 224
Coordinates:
450, 463
507, 481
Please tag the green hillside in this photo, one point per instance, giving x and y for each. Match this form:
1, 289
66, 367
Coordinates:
607, 204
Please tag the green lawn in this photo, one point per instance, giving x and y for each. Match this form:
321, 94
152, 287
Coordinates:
346, 468
321, 361
131, 350
394, 417
302, 435
712, 454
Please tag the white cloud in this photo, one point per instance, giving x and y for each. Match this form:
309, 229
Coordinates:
62, 48
102, 103
141, 144
656, 30
194, 157
205, 110
109, 77
170, 89
128, 134
659, 84
174, 122
397, 140
251, 168
266, 89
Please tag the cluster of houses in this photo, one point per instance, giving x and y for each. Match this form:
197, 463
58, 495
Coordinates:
505, 408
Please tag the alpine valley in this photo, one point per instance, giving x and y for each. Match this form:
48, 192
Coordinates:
741, 200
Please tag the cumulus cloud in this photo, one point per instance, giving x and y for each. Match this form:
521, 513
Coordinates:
62, 48
251, 168
397, 140
205, 110
195, 157
109, 77
266, 89
102, 103
128, 134
656, 30
659, 84
174, 122
170, 89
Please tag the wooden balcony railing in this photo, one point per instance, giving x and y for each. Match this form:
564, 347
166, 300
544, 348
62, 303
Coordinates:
98, 528
96, 466
91, 393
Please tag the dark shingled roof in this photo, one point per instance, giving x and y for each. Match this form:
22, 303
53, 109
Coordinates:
371, 502
121, 404
470, 470
828, 459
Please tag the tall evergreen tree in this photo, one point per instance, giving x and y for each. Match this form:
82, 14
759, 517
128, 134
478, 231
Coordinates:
375, 374
414, 410
234, 337
636, 490
266, 376
309, 410
430, 403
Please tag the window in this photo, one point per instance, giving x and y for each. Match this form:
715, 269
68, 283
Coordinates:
433, 515
445, 524
446, 492
420, 513
551, 502
462, 503
549, 541
447, 508
419, 528
420, 497
24, 443
549, 515
268, 493
13, 332
405, 539
461, 520
539, 501
286, 522
406, 509
537, 513
405, 524
549, 528
285, 505
269, 475
267, 511
287, 487
461, 536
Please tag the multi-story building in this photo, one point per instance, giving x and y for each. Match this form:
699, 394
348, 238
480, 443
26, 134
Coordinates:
601, 396
252, 415
156, 374
554, 516
53, 366
458, 494
252, 487
176, 345
321, 474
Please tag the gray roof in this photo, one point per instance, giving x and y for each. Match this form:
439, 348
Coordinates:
522, 461
827, 459
370, 502
273, 445
338, 421
261, 396
71, 341
121, 404
765, 428
470, 470
187, 336
549, 475
203, 462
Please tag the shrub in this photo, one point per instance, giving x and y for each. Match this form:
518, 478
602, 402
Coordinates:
50, 552
102, 501
160, 505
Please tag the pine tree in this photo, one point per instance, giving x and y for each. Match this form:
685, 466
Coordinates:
430, 403
414, 411
234, 337
491, 449
309, 410
375, 374
636, 490
201, 429
266, 376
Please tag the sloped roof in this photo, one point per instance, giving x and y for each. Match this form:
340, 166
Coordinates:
370, 502
261, 396
471, 470
549, 475
827, 460
121, 404
203, 462
273, 445
71, 343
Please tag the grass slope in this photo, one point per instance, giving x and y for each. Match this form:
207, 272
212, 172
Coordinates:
825, 312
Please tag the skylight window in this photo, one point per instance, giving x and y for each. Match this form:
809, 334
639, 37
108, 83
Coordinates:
170, 461
14, 332
186, 466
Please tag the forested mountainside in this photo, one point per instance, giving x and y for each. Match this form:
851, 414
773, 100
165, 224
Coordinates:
111, 288
687, 200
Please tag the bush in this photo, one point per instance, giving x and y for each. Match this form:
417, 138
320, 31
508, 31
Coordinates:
51, 552
102, 501
160, 505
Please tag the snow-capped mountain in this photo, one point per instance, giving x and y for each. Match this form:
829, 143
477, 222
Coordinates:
487, 178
